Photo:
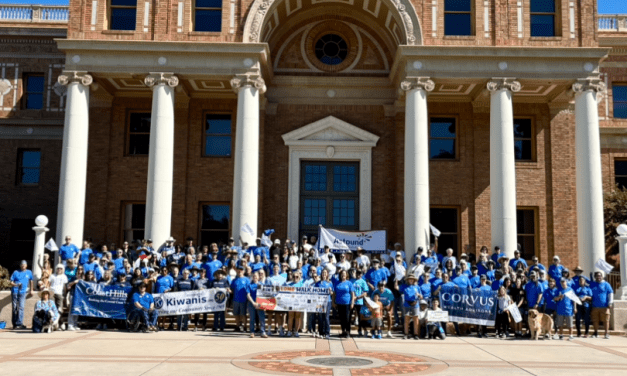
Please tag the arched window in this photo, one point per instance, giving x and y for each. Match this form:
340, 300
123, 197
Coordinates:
543, 18
457, 17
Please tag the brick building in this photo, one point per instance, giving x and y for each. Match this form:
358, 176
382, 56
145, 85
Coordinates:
203, 115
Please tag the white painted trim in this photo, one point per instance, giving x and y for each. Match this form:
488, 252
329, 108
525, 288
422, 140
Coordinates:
146, 15
180, 17
520, 19
232, 18
571, 15
94, 14
349, 143
434, 18
486, 18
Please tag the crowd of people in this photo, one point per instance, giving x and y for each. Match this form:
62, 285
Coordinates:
376, 293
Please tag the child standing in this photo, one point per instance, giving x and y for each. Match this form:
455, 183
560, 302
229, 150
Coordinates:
377, 316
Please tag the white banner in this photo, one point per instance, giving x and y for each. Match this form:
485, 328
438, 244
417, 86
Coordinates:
342, 241
188, 302
515, 312
603, 266
437, 316
297, 299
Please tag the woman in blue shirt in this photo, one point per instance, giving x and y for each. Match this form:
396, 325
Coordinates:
584, 293
565, 310
293, 317
344, 302
361, 291
323, 318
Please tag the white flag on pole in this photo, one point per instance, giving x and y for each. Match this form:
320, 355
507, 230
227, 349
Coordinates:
603, 266
435, 231
247, 229
51, 245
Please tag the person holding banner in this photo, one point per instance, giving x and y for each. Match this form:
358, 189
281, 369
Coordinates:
294, 318
324, 326
184, 284
144, 305
565, 309
344, 302
219, 281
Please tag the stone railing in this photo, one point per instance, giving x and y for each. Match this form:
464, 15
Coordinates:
613, 22
34, 13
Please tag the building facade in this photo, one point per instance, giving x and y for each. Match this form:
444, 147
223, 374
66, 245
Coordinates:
499, 122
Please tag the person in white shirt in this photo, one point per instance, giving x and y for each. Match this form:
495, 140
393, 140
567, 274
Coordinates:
58, 282
343, 264
397, 250
449, 256
362, 259
293, 259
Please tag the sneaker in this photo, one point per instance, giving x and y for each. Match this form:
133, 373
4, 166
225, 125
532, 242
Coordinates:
296, 335
99, 327
327, 337
405, 336
252, 335
374, 336
416, 338
389, 335
264, 335
570, 338
289, 334
561, 337
104, 327
607, 336
378, 336
555, 336
281, 332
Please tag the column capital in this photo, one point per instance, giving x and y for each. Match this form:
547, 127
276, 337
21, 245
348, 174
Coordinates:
68, 77
503, 83
584, 84
248, 79
161, 78
411, 83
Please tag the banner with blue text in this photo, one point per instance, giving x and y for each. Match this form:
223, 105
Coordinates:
297, 299
94, 300
469, 306
344, 241
189, 302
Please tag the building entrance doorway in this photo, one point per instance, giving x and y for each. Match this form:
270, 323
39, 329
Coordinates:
329, 196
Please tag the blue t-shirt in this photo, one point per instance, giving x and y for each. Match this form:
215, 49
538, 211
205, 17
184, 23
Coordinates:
119, 264
565, 307
600, 294
360, 287
68, 251
252, 290
462, 281
576, 280
295, 284
485, 288
276, 280
343, 292
514, 263
325, 285
184, 284
163, 284
425, 291
84, 257
532, 290
239, 286
23, 277
497, 285
555, 272
583, 292
475, 282
410, 295
144, 300
435, 283
376, 276
386, 297
548, 295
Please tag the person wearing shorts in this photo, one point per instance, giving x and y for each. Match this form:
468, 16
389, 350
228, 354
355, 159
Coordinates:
377, 316
411, 308
565, 310
239, 287
602, 299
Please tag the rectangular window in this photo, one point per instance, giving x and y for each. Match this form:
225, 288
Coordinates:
138, 133
315, 212
215, 222
344, 178
620, 173
34, 91
523, 140
134, 220
20, 245
446, 220
218, 134
29, 166
315, 178
457, 17
526, 229
122, 14
542, 13
343, 212
442, 135
619, 95
208, 15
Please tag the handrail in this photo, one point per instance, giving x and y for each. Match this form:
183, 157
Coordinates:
612, 22
34, 13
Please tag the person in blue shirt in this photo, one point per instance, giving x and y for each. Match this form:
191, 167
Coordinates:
498, 280
344, 302
565, 310
377, 274
482, 329
579, 274
119, 260
84, 255
184, 284
239, 288
602, 299
411, 297
461, 279
219, 282
212, 265
324, 326
21, 288
475, 279
195, 274
535, 264
386, 297
294, 317
436, 281
93, 265
548, 297
495, 257
534, 291
584, 293
144, 304
256, 315
555, 270
68, 250
361, 291
517, 260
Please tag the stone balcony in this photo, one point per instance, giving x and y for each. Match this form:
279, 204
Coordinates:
34, 14
612, 23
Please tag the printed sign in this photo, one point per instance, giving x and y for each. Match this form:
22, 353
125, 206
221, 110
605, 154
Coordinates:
189, 302
343, 241
298, 299
515, 312
469, 306
94, 300
437, 316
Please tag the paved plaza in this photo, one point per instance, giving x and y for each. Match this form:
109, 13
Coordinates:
203, 353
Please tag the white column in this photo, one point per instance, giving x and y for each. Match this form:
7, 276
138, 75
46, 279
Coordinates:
590, 224
246, 175
621, 292
73, 180
160, 157
416, 192
40, 240
502, 164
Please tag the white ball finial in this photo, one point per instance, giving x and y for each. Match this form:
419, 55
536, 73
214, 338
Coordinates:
41, 220
622, 230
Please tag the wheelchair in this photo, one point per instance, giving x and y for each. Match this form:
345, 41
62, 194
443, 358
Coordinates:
135, 322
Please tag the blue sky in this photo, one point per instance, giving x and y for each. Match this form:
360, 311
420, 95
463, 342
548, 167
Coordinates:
605, 6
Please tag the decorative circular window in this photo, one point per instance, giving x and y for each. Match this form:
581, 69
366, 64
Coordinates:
331, 49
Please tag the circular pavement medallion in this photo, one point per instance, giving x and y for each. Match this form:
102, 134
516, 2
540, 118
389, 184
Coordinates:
340, 361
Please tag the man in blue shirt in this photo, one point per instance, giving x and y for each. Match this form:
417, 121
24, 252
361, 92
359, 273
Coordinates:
534, 290
219, 282
93, 265
565, 310
239, 288
517, 260
555, 270
475, 279
461, 280
184, 284
144, 304
21, 288
84, 253
535, 263
584, 293
68, 250
602, 299
376, 275
579, 275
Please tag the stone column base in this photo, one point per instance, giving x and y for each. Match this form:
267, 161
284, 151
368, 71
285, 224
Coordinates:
618, 320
